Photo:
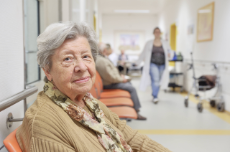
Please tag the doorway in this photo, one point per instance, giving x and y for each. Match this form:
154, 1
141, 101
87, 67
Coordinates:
173, 35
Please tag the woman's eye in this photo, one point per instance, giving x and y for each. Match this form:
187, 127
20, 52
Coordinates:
86, 56
67, 59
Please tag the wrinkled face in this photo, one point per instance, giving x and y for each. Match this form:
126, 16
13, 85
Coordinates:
157, 33
73, 67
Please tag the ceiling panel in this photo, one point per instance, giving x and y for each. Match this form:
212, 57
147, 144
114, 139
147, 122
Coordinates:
154, 6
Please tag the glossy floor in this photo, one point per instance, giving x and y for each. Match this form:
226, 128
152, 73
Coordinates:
182, 129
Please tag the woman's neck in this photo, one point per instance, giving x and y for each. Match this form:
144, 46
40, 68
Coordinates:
79, 100
158, 39
157, 42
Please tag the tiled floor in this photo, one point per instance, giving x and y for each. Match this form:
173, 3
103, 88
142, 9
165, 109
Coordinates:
182, 129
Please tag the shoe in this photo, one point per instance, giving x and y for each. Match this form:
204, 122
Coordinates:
140, 117
155, 100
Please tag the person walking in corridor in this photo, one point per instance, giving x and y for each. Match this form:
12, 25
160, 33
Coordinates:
156, 54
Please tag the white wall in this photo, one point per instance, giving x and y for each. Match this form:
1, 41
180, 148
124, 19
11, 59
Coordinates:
11, 61
184, 13
112, 23
49, 13
66, 9
82, 11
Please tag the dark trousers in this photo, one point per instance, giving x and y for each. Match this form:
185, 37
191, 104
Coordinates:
121, 68
128, 87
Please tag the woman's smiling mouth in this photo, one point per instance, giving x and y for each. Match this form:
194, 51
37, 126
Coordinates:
82, 80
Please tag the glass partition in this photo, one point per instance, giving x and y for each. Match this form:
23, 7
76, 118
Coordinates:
31, 31
80, 11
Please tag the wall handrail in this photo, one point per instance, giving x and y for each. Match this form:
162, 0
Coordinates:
4, 104
206, 61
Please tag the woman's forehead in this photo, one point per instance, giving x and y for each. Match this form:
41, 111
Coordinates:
75, 51
79, 45
77, 42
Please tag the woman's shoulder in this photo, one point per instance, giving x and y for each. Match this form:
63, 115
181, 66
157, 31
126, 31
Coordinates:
42, 102
33, 110
44, 112
164, 41
46, 122
149, 42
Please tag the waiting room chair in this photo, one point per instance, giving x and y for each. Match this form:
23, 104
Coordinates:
11, 142
121, 106
124, 112
109, 102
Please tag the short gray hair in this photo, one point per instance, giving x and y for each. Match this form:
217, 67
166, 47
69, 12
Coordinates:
55, 35
102, 47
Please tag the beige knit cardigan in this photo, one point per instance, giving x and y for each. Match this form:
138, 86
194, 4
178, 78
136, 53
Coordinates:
47, 128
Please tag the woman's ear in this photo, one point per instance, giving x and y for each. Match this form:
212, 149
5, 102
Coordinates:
47, 73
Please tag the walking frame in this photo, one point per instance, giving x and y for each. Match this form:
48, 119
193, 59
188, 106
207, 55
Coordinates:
216, 101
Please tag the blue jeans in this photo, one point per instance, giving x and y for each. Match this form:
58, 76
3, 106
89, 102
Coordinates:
156, 74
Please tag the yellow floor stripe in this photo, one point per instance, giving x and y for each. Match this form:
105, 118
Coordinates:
223, 115
185, 132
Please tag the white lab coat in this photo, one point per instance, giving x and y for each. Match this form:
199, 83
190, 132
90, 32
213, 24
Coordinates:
114, 58
146, 57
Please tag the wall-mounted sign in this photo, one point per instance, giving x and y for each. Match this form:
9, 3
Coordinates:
205, 23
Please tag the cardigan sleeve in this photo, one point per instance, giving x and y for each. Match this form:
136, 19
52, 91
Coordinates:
41, 145
137, 141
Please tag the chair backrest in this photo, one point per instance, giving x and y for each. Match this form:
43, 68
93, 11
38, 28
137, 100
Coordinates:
11, 142
99, 82
97, 89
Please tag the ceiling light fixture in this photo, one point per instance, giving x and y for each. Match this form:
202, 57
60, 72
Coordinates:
131, 11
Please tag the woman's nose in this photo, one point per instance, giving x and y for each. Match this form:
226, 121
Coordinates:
80, 66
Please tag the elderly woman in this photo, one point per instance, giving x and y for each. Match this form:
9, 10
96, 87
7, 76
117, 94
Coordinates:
65, 117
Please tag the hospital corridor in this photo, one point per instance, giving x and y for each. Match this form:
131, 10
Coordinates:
114, 76
180, 128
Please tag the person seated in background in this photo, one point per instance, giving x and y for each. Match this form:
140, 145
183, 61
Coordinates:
122, 58
112, 55
65, 117
113, 80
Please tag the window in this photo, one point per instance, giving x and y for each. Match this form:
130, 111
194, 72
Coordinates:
80, 11
31, 31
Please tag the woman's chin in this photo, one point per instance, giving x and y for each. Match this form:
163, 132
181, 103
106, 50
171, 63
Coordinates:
82, 89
